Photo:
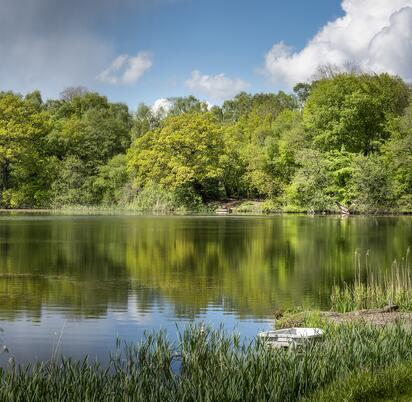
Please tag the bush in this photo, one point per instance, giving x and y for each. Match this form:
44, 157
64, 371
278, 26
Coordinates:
311, 185
372, 188
154, 197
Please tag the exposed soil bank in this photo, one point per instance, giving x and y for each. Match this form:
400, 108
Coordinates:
378, 317
374, 316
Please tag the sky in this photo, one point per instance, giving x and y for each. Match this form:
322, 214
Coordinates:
137, 51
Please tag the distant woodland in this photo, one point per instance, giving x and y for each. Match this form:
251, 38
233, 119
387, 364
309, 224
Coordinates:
343, 138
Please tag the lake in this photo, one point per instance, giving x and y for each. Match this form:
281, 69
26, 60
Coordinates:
78, 283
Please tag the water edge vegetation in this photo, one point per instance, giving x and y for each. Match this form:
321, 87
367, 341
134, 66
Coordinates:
212, 365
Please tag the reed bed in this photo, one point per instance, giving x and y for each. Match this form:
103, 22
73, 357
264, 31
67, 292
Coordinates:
211, 365
373, 289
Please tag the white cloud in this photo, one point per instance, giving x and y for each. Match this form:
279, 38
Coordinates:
218, 86
373, 34
108, 76
162, 106
209, 105
137, 66
126, 69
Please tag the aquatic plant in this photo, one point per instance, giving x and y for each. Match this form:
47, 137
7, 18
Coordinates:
373, 289
211, 365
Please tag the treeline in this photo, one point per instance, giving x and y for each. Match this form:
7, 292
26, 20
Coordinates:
343, 138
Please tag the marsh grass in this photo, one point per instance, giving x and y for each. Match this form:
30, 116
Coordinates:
373, 289
211, 365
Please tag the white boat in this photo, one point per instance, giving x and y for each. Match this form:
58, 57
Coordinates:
291, 337
223, 211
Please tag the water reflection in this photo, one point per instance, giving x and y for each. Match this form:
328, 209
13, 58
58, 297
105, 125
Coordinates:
84, 267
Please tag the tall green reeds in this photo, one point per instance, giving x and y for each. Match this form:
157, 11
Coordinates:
211, 365
373, 289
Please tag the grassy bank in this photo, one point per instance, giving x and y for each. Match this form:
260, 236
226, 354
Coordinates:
393, 383
215, 366
383, 299
368, 298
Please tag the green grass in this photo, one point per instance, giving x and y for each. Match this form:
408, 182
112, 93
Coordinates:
301, 318
211, 365
373, 290
393, 383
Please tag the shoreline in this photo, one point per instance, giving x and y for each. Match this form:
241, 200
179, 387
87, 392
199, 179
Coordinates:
127, 211
379, 317
209, 359
375, 317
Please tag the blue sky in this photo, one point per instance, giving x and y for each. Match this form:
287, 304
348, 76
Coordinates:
214, 37
144, 50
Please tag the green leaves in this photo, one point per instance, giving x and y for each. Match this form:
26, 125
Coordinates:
23, 128
300, 152
311, 185
353, 111
185, 151
373, 189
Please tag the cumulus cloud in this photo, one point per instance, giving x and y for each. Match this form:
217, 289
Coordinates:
209, 105
218, 87
376, 35
126, 69
162, 106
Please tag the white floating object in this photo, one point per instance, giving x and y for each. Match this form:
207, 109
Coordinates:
291, 337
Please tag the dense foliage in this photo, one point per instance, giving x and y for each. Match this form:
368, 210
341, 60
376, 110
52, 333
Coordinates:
345, 138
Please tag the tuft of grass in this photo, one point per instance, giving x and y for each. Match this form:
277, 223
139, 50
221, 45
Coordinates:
212, 365
374, 290
299, 318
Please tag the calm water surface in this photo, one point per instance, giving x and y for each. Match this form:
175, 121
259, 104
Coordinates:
82, 281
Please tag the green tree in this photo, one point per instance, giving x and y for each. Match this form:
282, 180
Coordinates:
25, 167
87, 132
233, 162
253, 146
372, 189
289, 138
143, 121
265, 105
398, 158
353, 111
72, 185
111, 181
311, 185
188, 104
302, 91
182, 154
